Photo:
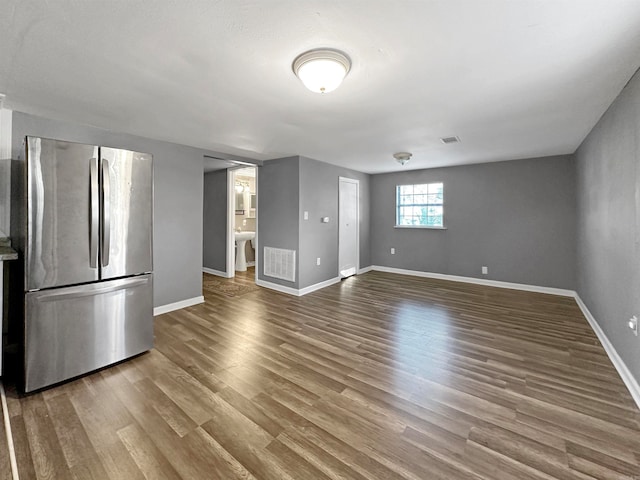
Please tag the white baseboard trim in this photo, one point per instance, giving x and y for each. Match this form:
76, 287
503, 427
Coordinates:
294, 291
215, 272
9, 435
477, 281
178, 305
277, 288
624, 372
318, 286
365, 269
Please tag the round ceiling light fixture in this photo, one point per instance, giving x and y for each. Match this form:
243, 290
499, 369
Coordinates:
321, 70
402, 157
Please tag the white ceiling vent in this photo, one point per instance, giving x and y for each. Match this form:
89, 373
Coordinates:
280, 263
448, 140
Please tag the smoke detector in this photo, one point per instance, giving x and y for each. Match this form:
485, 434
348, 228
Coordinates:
402, 157
449, 140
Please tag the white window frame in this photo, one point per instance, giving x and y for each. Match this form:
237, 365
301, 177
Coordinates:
397, 208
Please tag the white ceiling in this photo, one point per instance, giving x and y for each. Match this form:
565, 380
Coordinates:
512, 79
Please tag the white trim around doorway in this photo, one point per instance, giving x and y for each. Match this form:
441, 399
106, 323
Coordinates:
357, 184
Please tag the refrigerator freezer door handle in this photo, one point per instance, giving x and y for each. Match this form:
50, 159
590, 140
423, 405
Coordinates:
91, 290
94, 227
106, 206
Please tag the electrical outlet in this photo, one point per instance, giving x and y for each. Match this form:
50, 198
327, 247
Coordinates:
244, 222
393, 251
485, 270
633, 325
318, 261
306, 215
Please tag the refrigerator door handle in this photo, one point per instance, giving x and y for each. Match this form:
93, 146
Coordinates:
106, 207
91, 290
94, 227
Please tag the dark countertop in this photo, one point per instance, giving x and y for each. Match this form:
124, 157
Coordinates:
7, 253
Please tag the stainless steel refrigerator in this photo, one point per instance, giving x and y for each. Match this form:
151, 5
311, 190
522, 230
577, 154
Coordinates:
85, 234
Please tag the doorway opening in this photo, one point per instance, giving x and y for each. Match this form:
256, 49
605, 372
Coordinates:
230, 216
348, 227
242, 222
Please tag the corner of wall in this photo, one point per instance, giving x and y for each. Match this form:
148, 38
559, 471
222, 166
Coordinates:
278, 223
6, 117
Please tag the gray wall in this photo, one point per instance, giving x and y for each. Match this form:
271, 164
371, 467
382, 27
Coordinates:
319, 196
178, 172
287, 188
608, 226
214, 224
5, 172
5, 192
516, 217
278, 213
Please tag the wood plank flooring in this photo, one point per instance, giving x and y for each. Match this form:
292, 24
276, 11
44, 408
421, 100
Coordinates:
378, 377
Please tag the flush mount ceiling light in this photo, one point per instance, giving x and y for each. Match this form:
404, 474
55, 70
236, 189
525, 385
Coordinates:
321, 70
402, 157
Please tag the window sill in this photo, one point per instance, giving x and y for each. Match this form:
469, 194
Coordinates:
420, 227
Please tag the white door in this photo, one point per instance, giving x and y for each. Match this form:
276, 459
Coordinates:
348, 250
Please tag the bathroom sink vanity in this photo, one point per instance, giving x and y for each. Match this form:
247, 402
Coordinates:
241, 241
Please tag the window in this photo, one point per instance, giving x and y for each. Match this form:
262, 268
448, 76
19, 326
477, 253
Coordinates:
420, 205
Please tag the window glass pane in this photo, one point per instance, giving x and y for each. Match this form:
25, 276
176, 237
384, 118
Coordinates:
420, 205
435, 188
419, 199
405, 212
434, 221
423, 188
406, 199
433, 199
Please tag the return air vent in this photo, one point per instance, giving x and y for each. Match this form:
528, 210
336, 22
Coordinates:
280, 263
448, 140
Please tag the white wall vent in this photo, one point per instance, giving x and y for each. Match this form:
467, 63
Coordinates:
448, 140
280, 263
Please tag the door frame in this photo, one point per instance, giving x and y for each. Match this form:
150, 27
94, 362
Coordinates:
231, 212
357, 184
231, 200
